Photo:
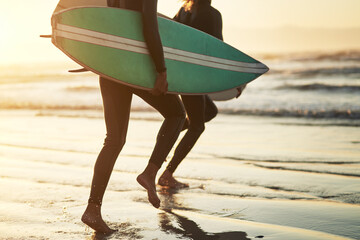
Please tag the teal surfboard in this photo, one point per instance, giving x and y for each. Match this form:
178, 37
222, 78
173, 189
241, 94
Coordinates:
110, 42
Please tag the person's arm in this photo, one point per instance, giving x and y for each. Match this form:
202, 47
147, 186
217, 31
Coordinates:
210, 22
153, 41
218, 26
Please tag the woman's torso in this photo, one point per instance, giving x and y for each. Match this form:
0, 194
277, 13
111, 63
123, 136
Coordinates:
204, 17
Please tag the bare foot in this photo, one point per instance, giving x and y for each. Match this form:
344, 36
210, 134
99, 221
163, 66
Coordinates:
148, 183
167, 180
92, 218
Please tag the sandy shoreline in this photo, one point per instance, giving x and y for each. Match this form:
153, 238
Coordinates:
46, 166
38, 214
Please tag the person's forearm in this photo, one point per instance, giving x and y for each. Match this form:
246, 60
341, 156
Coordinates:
151, 34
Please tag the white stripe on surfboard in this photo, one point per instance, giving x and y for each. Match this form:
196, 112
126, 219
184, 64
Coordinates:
126, 47
101, 42
114, 38
121, 43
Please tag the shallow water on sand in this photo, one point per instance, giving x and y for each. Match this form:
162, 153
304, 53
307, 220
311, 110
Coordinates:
260, 170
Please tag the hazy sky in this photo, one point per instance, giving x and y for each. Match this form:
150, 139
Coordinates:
21, 22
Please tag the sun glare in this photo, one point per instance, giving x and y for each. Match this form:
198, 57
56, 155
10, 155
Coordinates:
19, 33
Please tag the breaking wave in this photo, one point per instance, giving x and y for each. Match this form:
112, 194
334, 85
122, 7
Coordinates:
346, 114
344, 56
302, 113
319, 86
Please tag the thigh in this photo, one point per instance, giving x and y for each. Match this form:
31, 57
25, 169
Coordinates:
116, 102
210, 109
195, 108
168, 105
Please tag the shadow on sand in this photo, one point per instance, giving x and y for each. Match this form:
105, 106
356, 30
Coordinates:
170, 223
184, 228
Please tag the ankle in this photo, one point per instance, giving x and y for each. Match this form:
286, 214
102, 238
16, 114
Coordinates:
151, 170
93, 208
168, 174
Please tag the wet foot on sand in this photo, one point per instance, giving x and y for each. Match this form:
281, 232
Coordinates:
167, 180
149, 184
92, 218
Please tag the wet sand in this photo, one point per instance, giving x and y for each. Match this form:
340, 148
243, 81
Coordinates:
46, 163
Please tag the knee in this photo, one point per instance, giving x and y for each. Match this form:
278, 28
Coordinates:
179, 116
182, 117
179, 120
176, 109
211, 113
197, 128
115, 142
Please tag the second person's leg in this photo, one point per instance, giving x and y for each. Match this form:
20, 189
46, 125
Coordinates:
195, 108
172, 109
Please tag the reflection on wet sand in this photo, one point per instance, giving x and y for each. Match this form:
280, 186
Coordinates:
182, 227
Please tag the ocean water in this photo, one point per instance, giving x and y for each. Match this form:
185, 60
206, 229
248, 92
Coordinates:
316, 86
309, 89
292, 137
313, 86
320, 89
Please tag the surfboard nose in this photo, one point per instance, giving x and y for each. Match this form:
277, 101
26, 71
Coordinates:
264, 67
